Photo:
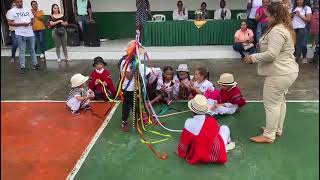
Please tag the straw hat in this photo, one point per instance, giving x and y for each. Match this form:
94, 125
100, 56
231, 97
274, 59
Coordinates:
199, 104
78, 79
227, 79
183, 68
131, 47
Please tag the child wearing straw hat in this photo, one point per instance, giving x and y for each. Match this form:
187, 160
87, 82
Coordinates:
79, 96
101, 77
230, 98
203, 140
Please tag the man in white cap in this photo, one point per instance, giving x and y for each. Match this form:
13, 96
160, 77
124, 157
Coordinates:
203, 140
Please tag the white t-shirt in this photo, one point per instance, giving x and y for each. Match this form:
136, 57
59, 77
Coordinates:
217, 14
255, 5
179, 16
126, 81
204, 86
21, 15
297, 22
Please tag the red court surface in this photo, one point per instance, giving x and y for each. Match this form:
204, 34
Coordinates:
43, 140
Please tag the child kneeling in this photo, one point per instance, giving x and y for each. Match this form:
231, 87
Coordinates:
79, 96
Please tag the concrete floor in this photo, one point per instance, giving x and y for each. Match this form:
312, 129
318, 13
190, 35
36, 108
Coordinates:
54, 81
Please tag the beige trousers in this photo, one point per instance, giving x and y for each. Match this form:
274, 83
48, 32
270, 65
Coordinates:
274, 90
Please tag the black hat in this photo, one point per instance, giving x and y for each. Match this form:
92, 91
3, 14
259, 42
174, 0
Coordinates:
97, 60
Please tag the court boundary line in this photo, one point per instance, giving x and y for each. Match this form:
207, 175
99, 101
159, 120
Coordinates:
57, 101
86, 152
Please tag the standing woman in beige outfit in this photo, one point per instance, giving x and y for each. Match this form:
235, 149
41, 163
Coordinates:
277, 64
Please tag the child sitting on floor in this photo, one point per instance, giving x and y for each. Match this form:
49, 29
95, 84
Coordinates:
200, 83
101, 77
230, 98
79, 96
203, 140
182, 83
165, 86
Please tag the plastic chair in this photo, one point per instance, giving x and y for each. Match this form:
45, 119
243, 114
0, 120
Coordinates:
242, 16
158, 17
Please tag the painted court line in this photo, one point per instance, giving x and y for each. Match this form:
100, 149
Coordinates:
54, 101
92, 142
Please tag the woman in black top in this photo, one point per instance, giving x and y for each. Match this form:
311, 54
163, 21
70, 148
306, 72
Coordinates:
57, 22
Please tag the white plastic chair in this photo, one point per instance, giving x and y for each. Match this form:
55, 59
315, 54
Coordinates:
158, 17
242, 16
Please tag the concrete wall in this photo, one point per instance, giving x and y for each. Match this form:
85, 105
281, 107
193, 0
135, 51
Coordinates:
161, 5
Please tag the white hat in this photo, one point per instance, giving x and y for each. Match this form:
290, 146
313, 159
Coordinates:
78, 79
199, 104
183, 68
227, 80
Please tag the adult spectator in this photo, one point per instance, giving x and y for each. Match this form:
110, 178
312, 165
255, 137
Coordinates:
181, 13
314, 23
22, 19
38, 27
301, 16
252, 7
205, 12
262, 19
13, 38
243, 39
143, 11
57, 22
222, 13
83, 12
277, 65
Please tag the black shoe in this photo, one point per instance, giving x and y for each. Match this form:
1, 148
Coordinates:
36, 67
75, 112
22, 70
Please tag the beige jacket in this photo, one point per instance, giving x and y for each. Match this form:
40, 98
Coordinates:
276, 57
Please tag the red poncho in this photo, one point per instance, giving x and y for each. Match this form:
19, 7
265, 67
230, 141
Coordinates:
206, 147
105, 76
232, 96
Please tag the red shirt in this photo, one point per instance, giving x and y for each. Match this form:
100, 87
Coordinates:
105, 76
206, 147
232, 96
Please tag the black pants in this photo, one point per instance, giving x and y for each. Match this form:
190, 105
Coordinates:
128, 105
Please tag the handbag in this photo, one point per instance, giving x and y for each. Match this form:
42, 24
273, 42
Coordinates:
60, 31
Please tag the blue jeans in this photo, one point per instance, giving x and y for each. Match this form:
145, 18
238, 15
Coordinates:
239, 47
300, 43
40, 35
261, 28
14, 44
304, 48
28, 42
82, 20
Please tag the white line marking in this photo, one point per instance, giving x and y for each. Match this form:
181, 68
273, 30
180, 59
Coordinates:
84, 155
53, 101
46, 101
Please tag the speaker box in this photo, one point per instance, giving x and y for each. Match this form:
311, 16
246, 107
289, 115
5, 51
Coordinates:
73, 32
91, 35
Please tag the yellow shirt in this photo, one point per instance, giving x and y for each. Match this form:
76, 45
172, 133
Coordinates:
38, 21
